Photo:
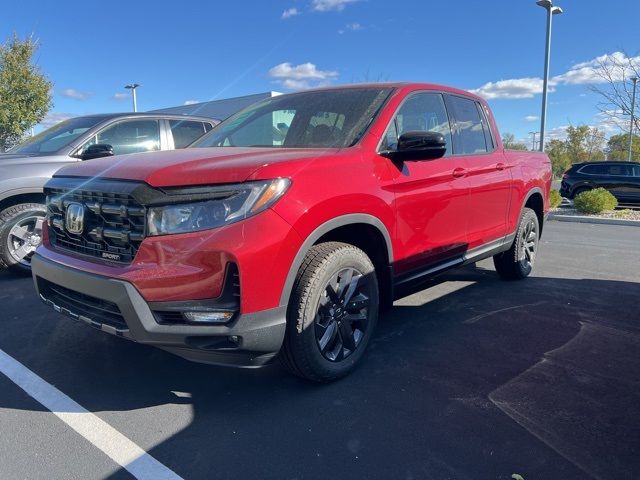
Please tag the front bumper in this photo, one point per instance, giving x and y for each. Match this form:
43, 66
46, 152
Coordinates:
249, 340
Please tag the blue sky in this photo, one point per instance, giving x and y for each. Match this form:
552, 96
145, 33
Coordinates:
196, 51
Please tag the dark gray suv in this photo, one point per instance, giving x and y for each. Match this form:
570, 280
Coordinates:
27, 167
622, 179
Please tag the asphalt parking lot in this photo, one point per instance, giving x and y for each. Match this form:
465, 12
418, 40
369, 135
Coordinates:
473, 378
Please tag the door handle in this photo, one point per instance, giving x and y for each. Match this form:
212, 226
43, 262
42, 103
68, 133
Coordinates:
459, 172
500, 166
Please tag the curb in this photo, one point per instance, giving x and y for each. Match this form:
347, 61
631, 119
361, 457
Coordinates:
596, 220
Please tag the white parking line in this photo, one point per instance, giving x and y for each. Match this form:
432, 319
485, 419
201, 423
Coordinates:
102, 435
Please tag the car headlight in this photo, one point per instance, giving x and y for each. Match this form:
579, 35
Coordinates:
239, 202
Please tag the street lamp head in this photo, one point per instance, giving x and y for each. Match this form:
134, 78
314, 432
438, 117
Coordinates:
132, 85
633, 79
548, 5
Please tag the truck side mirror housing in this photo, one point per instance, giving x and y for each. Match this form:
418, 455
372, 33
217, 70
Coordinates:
419, 145
97, 150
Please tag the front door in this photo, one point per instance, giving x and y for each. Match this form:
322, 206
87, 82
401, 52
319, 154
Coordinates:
431, 195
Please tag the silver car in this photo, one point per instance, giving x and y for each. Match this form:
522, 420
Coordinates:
26, 168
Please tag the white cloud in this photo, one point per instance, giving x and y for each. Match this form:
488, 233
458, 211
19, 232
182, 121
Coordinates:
589, 72
191, 102
120, 96
512, 88
618, 64
297, 77
75, 94
558, 133
290, 12
329, 5
52, 118
531, 118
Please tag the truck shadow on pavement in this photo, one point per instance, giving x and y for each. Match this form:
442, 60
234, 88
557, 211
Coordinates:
472, 378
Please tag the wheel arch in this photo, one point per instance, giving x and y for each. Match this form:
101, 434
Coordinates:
25, 196
535, 201
361, 230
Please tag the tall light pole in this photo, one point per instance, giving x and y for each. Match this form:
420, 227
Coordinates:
633, 106
132, 87
533, 143
551, 11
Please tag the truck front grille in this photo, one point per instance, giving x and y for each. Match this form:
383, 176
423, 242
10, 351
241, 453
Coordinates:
113, 225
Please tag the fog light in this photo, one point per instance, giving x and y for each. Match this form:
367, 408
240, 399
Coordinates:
208, 317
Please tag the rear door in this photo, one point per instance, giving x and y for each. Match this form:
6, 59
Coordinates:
488, 173
622, 182
431, 195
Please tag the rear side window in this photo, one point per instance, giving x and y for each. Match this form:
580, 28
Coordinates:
595, 170
469, 132
187, 131
420, 112
620, 170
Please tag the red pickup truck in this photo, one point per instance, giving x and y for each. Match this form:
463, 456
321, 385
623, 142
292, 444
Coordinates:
290, 225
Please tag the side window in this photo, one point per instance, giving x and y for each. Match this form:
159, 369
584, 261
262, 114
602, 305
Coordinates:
186, 131
129, 136
469, 131
420, 112
636, 171
595, 169
618, 170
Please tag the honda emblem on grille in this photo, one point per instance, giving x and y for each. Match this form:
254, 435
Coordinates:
74, 219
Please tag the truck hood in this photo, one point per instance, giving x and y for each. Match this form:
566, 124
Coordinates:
191, 166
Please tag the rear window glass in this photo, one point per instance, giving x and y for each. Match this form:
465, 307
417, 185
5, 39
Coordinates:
469, 132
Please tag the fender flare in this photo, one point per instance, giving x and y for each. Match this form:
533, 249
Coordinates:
341, 221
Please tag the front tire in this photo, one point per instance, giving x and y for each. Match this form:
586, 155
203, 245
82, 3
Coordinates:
517, 262
332, 312
20, 235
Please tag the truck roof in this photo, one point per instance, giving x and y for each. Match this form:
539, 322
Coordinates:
412, 85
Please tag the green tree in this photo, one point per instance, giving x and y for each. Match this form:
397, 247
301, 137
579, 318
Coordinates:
509, 141
25, 93
594, 145
560, 159
618, 146
575, 143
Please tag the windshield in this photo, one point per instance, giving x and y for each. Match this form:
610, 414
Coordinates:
58, 136
330, 118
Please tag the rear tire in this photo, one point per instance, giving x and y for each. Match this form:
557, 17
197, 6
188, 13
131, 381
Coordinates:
20, 234
332, 312
517, 262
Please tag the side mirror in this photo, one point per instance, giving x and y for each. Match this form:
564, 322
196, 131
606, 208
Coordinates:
97, 150
419, 145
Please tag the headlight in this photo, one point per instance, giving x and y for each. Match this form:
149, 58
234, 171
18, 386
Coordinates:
240, 201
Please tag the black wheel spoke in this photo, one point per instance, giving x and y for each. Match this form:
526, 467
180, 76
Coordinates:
329, 336
346, 332
357, 303
351, 289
